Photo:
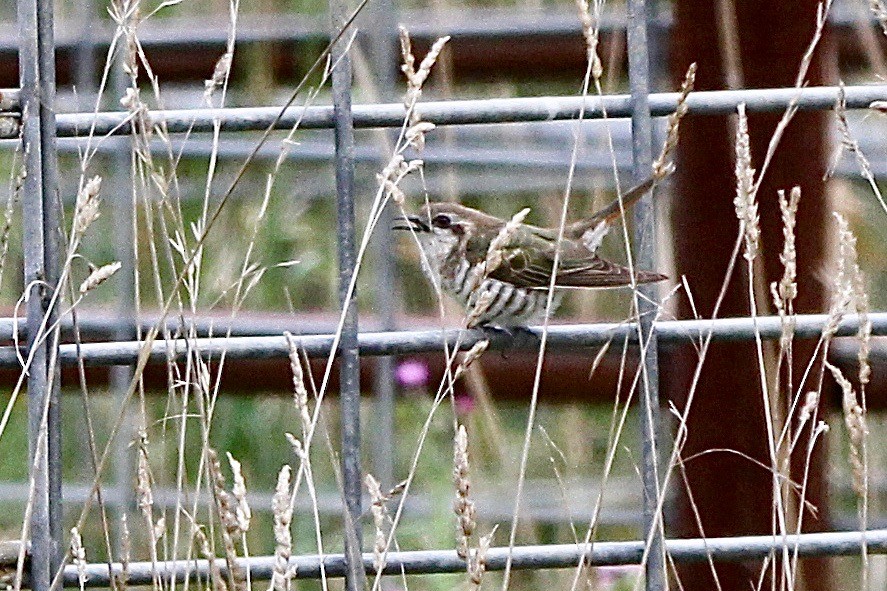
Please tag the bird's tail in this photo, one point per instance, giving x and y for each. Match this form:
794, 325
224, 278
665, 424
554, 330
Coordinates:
612, 211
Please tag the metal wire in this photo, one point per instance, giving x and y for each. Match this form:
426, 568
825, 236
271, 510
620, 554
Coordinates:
523, 557
405, 342
647, 296
477, 111
484, 23
381, 42
349, 356
41, 221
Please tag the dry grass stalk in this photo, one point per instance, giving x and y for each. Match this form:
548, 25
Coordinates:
238, 490
145, 498
415, 134
479, 302
590, 31
377, 508
811, 403
144, 494
879, 10
857, 431
78, 557
864, 334
462, 505
846, 279
786, 290
282, 575
300, 392
473, 354
849, 143
121, 580
98, 276
125, 14
159, 528
416, 79
477, 565
663, 166
215, 571
398, 168
220, 75
496, 249
745, 201
86, 210
226, 505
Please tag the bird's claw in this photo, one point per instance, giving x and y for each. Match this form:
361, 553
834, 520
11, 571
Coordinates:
518, 337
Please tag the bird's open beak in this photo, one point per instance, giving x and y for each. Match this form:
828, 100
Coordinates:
410, 222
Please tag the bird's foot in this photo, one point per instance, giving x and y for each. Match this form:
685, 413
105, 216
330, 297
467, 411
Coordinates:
518, 337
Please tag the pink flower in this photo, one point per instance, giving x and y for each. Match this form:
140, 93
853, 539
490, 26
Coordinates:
610, 576
412, 373
465, 403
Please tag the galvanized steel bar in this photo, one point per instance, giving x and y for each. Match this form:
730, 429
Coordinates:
85, 51
551, 108
647, 296
32, 247
172, 32
418, 341
349, 356
52, 220
548, 150
523, 557
381, 42
123, 212
40, 240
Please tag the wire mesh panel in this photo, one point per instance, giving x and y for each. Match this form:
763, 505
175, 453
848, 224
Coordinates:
193, 355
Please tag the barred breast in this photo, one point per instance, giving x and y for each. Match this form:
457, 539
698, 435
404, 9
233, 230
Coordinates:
508, 305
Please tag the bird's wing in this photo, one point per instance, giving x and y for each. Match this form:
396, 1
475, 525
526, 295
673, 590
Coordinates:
597, 272
529, 263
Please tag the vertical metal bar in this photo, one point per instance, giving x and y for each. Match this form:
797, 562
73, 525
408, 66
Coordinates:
123, 210
384, 383
52, 221
382, 39
40, 246
123, 214
84, 75
645, 243
349, 376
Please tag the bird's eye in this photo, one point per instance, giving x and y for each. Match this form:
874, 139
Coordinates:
441, 221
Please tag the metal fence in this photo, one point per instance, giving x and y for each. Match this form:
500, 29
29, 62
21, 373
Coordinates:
40, 126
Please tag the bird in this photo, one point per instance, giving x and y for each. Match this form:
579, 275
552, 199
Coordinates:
507, 285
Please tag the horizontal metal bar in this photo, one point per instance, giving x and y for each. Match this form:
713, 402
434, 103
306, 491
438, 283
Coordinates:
523, 557
545, 502
94, 325
407, 342
423, 24
554, 108
535, 156
546, 152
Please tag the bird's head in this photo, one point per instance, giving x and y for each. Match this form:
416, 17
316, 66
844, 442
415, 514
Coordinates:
442, 226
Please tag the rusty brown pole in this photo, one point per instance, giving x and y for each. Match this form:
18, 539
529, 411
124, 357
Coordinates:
733, 495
